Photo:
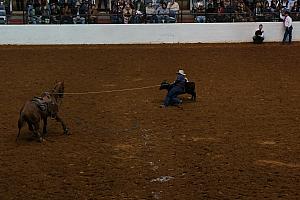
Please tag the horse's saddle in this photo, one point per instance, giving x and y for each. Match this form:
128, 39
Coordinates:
42, 105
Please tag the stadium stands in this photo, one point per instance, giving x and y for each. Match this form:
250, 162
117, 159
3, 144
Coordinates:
152, 11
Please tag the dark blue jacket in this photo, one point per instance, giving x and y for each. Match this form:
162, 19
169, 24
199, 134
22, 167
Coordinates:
180, 81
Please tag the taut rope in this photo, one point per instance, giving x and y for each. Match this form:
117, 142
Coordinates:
108, 91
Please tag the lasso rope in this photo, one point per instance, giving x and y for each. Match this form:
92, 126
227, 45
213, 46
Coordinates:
108, 91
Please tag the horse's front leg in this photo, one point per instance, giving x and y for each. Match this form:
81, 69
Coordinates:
59, 119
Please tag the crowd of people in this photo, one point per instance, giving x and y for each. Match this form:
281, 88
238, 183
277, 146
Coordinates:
152, 11
244, 10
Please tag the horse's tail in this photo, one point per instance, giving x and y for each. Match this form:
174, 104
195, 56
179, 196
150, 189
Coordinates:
21, 122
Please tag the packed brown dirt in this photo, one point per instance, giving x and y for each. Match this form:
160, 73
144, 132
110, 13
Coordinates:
239, 140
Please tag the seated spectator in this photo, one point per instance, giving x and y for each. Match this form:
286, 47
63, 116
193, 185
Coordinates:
241, 14
286, 5
229, 9
117, 11
140, 9
295, 11
210, 10
267, 11
32, 19
199, 11
258, 38
150, 13
45, 14
66, 15
173, 7
93, 14
220, 12
127, 14
55, 14
162, 13
78, 17
273, 5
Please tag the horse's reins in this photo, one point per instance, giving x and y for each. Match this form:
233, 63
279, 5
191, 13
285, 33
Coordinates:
108, 91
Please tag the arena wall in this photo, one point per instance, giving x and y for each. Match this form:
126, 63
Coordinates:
141, 33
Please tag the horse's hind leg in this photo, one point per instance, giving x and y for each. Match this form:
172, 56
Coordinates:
58, 119
36, 132
18, 134
20, 125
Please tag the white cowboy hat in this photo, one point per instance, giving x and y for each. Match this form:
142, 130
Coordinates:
181, 72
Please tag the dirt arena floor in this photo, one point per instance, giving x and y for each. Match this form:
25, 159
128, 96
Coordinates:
239, 140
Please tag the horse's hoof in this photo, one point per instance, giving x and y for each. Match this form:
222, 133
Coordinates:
41, 140
66, 131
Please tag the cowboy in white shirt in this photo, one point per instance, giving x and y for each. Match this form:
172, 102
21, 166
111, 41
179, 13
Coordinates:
287, 21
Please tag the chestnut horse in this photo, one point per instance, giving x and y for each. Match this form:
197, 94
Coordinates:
40, 108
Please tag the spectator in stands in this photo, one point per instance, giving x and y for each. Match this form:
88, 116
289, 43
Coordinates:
32, 18
79, 17
117, 11
55, 13
285, 4
241, 14
105, 5
220, 12
210, 12
258, 11
93, 14
150, 13
140, 9
162, 13
127, 13
258, 38
274, 5
295, 11
66, 15
199, 10
287, 22
173, 6
229, 9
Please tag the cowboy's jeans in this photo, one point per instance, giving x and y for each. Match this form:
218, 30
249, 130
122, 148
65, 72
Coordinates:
171, 97
288, 32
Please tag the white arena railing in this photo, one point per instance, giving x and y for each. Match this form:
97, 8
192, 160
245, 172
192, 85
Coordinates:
141, 33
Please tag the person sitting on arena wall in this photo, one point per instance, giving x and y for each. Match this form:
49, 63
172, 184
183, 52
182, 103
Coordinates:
258, 38
176, 88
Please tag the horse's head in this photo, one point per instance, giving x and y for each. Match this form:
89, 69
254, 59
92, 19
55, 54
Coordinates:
164, 85
59, 88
